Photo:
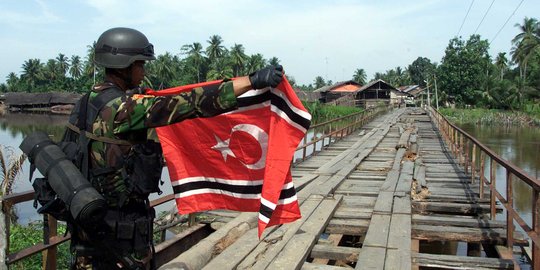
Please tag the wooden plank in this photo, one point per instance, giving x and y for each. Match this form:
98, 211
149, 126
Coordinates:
398, 259
445, 207
333, 241
404, 140
455, 220
391, 180
377, 233
353, 213
359, 202
507, 254
402, 205
347, 226
405, 177
313, 266
452, 233
348, 254
294, 254
399, 235
460, 262
274, 241
384, 202
371, 258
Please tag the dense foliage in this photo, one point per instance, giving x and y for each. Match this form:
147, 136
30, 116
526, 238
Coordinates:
321, 113
25, 236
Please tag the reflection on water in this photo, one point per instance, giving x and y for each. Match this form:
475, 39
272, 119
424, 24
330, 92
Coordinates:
13, 129
519, 145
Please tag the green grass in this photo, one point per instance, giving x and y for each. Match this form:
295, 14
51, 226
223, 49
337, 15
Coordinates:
494, 117
320, 112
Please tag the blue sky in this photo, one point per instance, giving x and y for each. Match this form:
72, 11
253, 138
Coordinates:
311, 38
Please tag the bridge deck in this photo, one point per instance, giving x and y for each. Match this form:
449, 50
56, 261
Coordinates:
369, 201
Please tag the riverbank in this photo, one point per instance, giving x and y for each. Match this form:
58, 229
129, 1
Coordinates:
490, 117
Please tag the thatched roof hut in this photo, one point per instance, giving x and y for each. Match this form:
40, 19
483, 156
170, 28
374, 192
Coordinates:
17, 99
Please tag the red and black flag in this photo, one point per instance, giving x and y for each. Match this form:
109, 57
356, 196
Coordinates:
239, 160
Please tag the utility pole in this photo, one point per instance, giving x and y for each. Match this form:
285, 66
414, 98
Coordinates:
428, 99
436, 95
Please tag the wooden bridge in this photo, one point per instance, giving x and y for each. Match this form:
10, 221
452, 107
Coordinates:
374, 197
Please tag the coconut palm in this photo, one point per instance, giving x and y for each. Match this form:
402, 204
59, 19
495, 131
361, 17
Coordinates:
238, 58
163, 68
90, 67
360, 76
502, 64
51, 70
32, 71
75, 70
255, 62
215, 48
195, 53
63, 64
274, 61
219, 70
12, 81
526, 43
9, 172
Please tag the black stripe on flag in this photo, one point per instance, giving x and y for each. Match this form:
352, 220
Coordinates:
282, 105
266, 211
252, 100
242, 189
276, 101
287, 193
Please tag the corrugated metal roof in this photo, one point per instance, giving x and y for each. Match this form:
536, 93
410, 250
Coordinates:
336, 85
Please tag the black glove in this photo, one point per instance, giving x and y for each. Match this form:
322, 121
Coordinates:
268, 76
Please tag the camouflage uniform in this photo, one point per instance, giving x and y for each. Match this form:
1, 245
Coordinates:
131, 118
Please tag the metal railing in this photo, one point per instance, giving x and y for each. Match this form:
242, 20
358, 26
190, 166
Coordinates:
324, 134
51, 239
473, 156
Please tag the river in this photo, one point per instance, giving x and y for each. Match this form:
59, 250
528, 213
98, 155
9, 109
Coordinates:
15, 126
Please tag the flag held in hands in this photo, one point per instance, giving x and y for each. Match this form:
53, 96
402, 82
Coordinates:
239, 160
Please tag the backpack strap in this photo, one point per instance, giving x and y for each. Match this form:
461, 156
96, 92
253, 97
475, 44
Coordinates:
88, 113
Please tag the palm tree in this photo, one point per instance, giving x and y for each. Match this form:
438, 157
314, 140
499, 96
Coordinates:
255, 62
52, 71
195, 52
90, 67
219, 70
32, 71
9, 170
526, 43
319, 82
215, 49
274, 61
63, 64
12, 81
502, 64
164, 69
75, 71
360, 76
238, 58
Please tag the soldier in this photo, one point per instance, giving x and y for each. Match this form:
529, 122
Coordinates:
122, 164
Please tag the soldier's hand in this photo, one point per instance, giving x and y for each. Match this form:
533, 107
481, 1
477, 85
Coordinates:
268, 76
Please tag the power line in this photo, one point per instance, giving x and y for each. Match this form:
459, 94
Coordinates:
509, 17
493, 1
466, 15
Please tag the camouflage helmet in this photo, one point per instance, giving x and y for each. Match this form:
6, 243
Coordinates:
120, 47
